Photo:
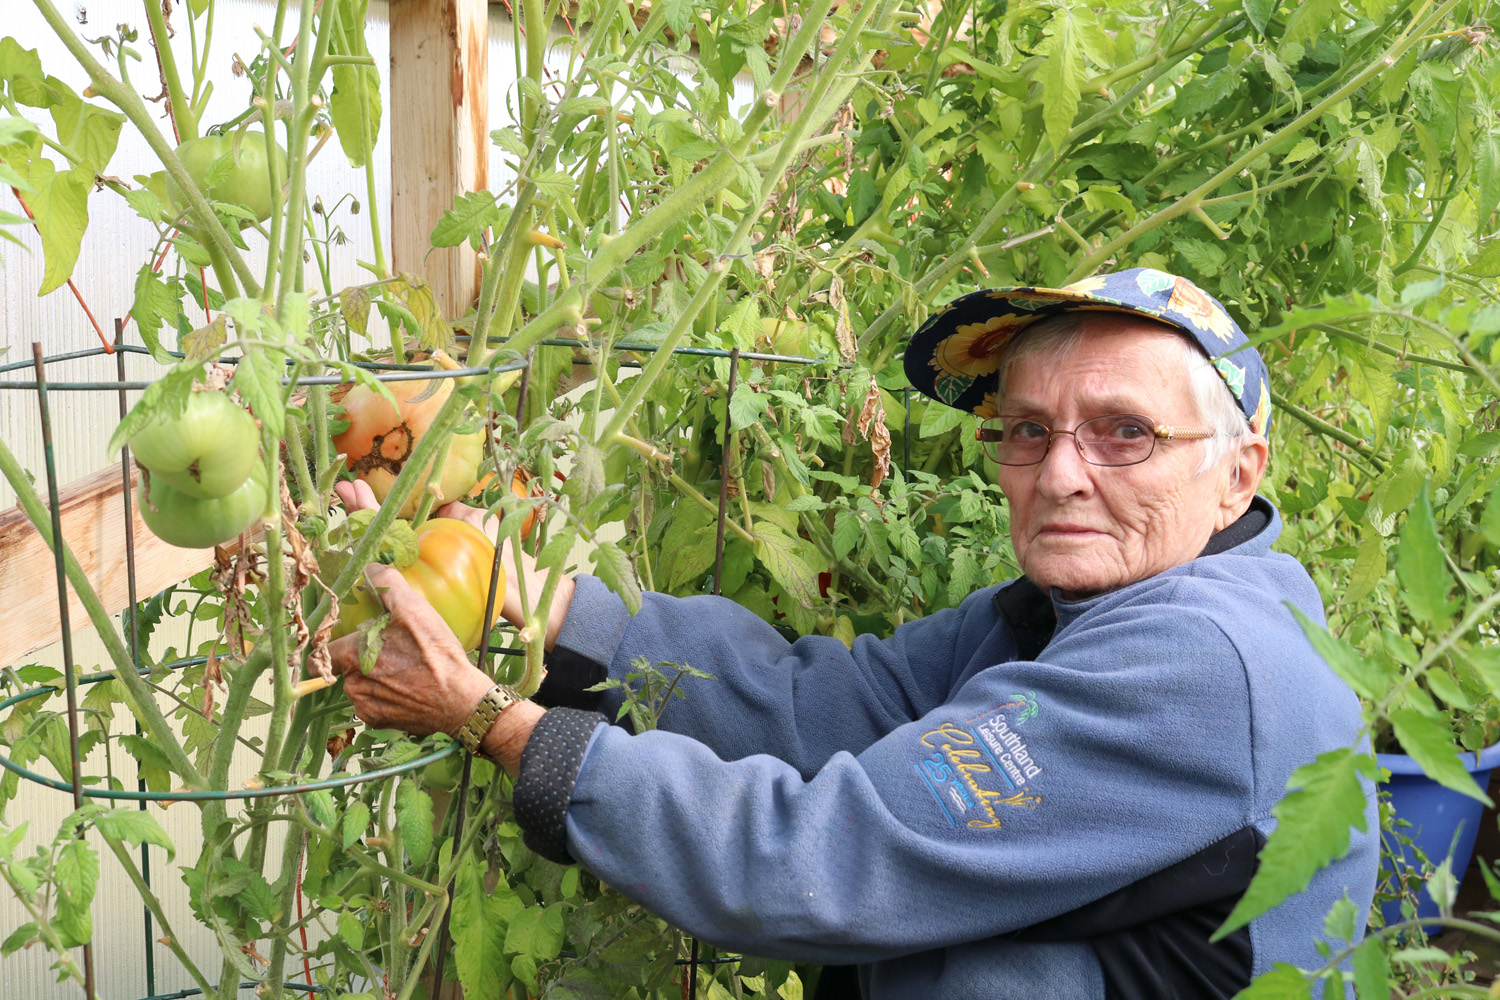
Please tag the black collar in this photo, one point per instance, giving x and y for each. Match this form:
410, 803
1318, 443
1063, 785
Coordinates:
1033, 619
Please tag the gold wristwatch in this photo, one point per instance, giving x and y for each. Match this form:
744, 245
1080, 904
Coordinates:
496, 700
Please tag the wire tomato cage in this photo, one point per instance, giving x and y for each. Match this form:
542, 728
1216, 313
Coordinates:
41, 385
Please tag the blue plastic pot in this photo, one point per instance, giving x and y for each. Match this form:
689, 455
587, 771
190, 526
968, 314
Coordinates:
1435, 813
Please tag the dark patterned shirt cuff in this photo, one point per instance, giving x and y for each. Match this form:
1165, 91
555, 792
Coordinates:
549, 767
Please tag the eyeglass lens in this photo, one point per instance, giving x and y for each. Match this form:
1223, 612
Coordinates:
1116, 439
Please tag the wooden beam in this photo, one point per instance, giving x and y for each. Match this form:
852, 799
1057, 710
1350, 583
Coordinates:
93, 525
440, 135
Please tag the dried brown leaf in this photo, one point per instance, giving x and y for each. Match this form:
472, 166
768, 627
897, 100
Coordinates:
869, 425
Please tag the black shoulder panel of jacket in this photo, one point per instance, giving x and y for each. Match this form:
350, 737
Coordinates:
1030, 614
1152, 936
568, 679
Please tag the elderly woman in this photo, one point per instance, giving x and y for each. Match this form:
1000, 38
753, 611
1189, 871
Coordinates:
1057, 789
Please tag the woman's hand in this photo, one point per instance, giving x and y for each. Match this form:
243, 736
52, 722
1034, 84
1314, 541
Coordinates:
357, 495
422, 681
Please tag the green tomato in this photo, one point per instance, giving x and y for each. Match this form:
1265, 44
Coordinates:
246, 183
206, 453
191, 523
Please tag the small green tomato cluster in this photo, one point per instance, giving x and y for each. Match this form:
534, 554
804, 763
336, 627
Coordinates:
202, 481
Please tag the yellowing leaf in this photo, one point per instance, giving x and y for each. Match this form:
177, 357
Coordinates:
60, 208
782, 555
1304, 149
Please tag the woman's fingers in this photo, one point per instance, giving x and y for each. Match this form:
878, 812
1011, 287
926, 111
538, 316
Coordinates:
461, 511
422, 681
356, 495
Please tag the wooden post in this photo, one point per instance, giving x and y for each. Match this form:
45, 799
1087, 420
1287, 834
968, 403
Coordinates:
440, 135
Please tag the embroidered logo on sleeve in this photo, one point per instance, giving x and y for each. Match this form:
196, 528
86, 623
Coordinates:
981, 764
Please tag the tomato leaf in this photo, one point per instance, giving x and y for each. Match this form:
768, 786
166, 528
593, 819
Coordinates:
154, 303
614, 568
479, 924
90, 133
1312, 829
1420, 566
18, 939
1062, 75
1362, 674
134, 828
414, 820
1280, 982
258, 380
372, 637
1430, 743
536, 932
417, 295
354, 306
75, 876
355, 822
351, 930
467, 220
59, 205
1372, 970
355, 108
205, 342
746, 407
782, 555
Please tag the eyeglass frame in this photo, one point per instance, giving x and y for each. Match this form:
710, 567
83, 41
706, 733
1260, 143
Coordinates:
1159, 432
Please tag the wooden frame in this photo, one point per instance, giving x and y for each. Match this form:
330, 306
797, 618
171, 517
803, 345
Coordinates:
93, 525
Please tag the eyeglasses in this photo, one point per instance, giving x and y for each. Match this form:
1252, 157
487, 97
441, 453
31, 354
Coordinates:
1114, 440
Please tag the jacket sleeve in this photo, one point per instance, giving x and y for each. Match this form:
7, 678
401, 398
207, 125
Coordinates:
1039, 787
800, 702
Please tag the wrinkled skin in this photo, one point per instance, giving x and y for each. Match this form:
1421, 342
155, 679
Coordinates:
1086, 529
423, 682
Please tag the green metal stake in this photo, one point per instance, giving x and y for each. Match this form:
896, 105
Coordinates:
62, 611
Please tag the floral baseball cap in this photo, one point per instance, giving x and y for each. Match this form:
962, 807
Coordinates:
954, 357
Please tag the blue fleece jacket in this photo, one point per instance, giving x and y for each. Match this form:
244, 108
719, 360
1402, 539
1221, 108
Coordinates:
937, 809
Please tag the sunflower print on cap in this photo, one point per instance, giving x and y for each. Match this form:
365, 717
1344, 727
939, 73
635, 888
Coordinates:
973, 348
1262, 413
1088, 285
1194, 303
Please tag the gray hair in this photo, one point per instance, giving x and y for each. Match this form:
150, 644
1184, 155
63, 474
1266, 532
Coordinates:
1056, 337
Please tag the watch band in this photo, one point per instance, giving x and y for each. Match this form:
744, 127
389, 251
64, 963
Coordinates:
496, 700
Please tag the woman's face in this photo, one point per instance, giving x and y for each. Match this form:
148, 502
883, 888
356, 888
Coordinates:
1085, 528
